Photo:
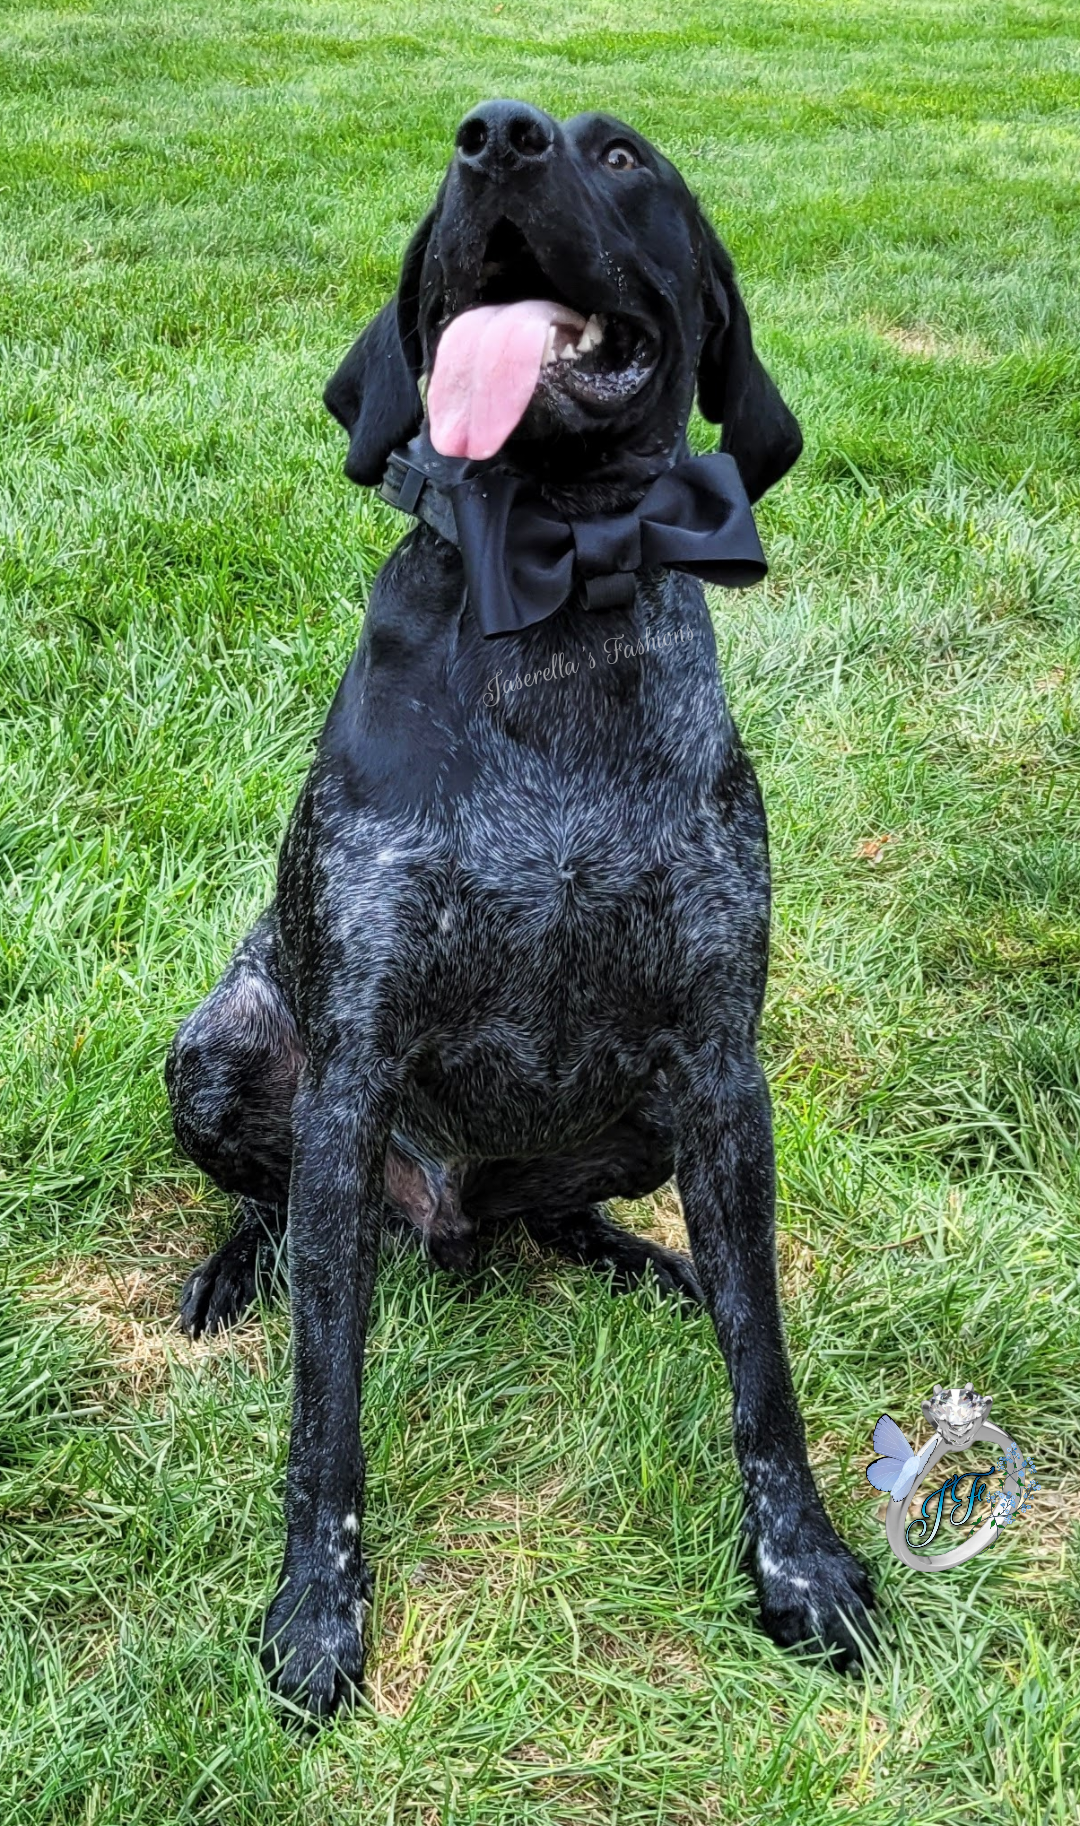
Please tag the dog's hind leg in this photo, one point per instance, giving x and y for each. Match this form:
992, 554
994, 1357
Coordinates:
589, 1235
231, 1076
559, 1199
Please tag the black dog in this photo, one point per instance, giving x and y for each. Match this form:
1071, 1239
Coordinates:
517, 958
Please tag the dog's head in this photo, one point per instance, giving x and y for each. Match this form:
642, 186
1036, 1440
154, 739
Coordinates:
563, 300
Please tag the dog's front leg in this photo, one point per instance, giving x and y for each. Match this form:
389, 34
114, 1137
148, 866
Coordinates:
313, 1648
812, 1590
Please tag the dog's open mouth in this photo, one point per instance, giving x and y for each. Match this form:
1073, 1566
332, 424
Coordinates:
520, 337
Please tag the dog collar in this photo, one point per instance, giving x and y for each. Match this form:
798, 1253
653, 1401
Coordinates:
523, 559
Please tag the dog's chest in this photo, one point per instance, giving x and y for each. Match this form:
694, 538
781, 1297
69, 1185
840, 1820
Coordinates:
540, 992
537, 907
523, 895
569, 906
533, 954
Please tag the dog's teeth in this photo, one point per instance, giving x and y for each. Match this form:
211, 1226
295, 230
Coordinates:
591, 336
560, 346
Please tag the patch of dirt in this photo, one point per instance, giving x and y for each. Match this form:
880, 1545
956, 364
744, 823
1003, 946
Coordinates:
925, 344
661, 1218
663, 1660
128, 1291
797, 1260
411, 1629
1049, 1522
827, 1450
398, 1663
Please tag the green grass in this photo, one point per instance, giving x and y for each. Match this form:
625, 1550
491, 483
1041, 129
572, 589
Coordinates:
200, 205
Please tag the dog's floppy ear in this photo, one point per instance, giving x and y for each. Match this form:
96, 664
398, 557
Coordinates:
734, 389
374, 392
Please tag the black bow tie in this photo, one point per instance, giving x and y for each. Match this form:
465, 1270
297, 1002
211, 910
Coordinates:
522, 557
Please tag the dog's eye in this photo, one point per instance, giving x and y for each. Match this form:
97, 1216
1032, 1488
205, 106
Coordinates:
621, 157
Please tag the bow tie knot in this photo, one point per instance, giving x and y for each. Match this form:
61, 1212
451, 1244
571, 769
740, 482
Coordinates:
607, 552
523, 558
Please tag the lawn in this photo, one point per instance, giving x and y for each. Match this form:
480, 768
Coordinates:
200, 205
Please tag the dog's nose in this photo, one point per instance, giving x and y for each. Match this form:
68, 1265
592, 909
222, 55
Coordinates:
504, 136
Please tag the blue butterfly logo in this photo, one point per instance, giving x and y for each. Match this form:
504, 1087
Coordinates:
900, 1466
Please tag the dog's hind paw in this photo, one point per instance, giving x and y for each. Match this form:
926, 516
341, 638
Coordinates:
675, 1274
816, 1596
218, 1293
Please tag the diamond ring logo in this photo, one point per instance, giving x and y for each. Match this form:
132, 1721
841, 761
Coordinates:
982, 1501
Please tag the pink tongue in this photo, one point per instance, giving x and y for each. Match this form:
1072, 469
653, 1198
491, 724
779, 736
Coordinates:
486, 368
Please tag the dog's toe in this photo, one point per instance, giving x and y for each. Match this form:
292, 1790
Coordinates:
218, 1293
816, 1596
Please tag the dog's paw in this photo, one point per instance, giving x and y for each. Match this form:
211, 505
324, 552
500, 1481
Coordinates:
814, 1594
675, 1275
312, 1649
456, 1251
219, 1293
